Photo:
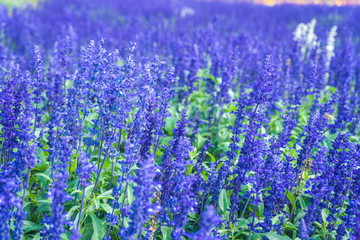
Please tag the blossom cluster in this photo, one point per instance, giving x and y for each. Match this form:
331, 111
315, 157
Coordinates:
179, 120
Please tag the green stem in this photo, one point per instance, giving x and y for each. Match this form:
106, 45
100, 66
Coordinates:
26, 185
247, 203
140, 235
77, 188
108, 230
98, 175
125, 192
203, 201
99, 151
112, 174
81, 207
347, 191
113, 163
252, 223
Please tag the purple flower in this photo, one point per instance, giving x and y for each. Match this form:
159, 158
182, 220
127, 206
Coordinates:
142, 208
84, 170
176, 196
209, 221
56, 223
303, 231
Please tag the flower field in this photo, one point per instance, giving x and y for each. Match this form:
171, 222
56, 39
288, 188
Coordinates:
179, 120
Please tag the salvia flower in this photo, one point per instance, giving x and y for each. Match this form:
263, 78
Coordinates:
55, 225
303, 231
209, 221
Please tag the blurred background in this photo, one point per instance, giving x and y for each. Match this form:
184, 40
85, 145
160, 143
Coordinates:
19, 3
303, 2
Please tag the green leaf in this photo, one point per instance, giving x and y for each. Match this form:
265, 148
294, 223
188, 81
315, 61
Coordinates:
170, 125
91, 208
64, 236
223, 201
106, 163
72, 210
267, 188
194, 216
324, 215
299, 216
44, 184
97, 227
243, 223
319, 225
291, 198
37, 236
212, 157
166, 232
205, 175
73, 183
88, 190
134, 168
126, 222
290, 226
316, 237
29, 226
209, 76
32, 196
97, 203
306, 176
106, 207
45, 201
333, 89
270, 236
223, 231
44, 176
260, 208
76, 220
302, 203
240, 233
189, 169
41, 155
26, 204
44, 206
219, 166
106, 194
276, 218
76, 191
130, 195
200, 141
164, 141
